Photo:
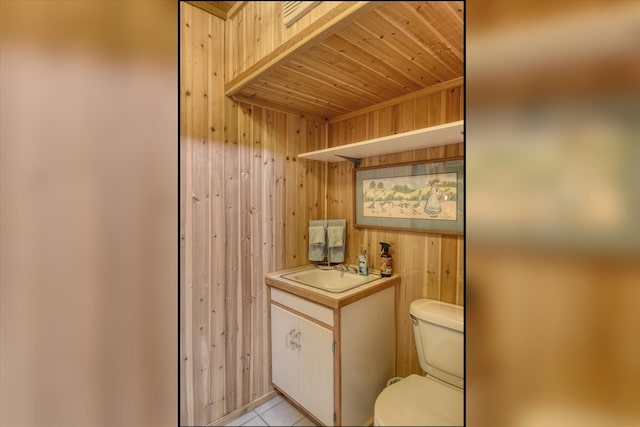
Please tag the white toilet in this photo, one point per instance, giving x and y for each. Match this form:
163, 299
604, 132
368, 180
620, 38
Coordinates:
436, 399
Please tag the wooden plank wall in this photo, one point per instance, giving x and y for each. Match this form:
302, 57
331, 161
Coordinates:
258, 29
245, 203
431, 264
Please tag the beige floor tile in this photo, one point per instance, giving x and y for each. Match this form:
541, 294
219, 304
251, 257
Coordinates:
282, 414
255, 422
269, 404
242, 419
305, 422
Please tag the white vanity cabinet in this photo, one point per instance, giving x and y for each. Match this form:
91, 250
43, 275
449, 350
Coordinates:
331, 354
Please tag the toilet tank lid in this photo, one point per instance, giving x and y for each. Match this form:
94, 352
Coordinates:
438, 312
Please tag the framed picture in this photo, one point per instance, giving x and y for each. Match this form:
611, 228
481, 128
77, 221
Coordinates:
420, 196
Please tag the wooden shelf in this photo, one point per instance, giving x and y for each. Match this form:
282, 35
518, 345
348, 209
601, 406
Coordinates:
448, 133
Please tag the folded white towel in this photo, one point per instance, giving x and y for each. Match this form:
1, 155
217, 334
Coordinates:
335, 236
316, 235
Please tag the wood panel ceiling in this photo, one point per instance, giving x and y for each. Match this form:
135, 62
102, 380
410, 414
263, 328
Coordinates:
393, 49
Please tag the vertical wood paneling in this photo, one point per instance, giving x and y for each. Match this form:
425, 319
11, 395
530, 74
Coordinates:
431, 264
290, 187
315, 171
197, 216
449, 269
186, 377
434, 273
245, 262
216, 115
280, 127
230, 213
268, 189
258, 308
245, 204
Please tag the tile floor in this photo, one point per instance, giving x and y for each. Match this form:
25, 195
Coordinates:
276, 412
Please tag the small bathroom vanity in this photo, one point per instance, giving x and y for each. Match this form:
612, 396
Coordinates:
332, 352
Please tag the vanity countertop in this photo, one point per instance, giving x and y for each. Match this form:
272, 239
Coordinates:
326, 298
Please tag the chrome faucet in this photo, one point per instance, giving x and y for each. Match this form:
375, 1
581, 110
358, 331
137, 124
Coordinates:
346, 268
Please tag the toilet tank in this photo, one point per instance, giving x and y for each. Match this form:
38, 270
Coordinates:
438, 328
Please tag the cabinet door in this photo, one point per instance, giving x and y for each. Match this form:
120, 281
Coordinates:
315, 370
284, 356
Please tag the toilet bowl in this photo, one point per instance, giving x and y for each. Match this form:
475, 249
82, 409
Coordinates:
436, 399
419, 401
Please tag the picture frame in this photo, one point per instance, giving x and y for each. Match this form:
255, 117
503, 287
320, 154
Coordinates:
424, 196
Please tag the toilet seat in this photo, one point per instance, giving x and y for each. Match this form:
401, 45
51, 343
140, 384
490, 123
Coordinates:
419, 401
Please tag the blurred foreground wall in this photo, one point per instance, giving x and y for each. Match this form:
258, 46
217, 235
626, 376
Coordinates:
88, 213
553, 197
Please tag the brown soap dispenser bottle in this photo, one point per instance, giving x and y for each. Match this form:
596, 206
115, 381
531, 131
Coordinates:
385, 260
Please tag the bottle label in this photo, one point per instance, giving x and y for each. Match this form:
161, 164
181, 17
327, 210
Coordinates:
385, 266
362, 265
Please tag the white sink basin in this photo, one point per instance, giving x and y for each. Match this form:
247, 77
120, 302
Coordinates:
329, 280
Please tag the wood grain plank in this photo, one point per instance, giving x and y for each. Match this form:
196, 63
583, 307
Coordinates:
185, 142
420, 290
449, 268
300, 195
233, 301
401, 249
280, 126
216, 119
291, 180
199, 200
269, 209
453, 104
258, 298
245, 273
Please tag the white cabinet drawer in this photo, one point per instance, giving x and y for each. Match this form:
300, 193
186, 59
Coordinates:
309, 308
